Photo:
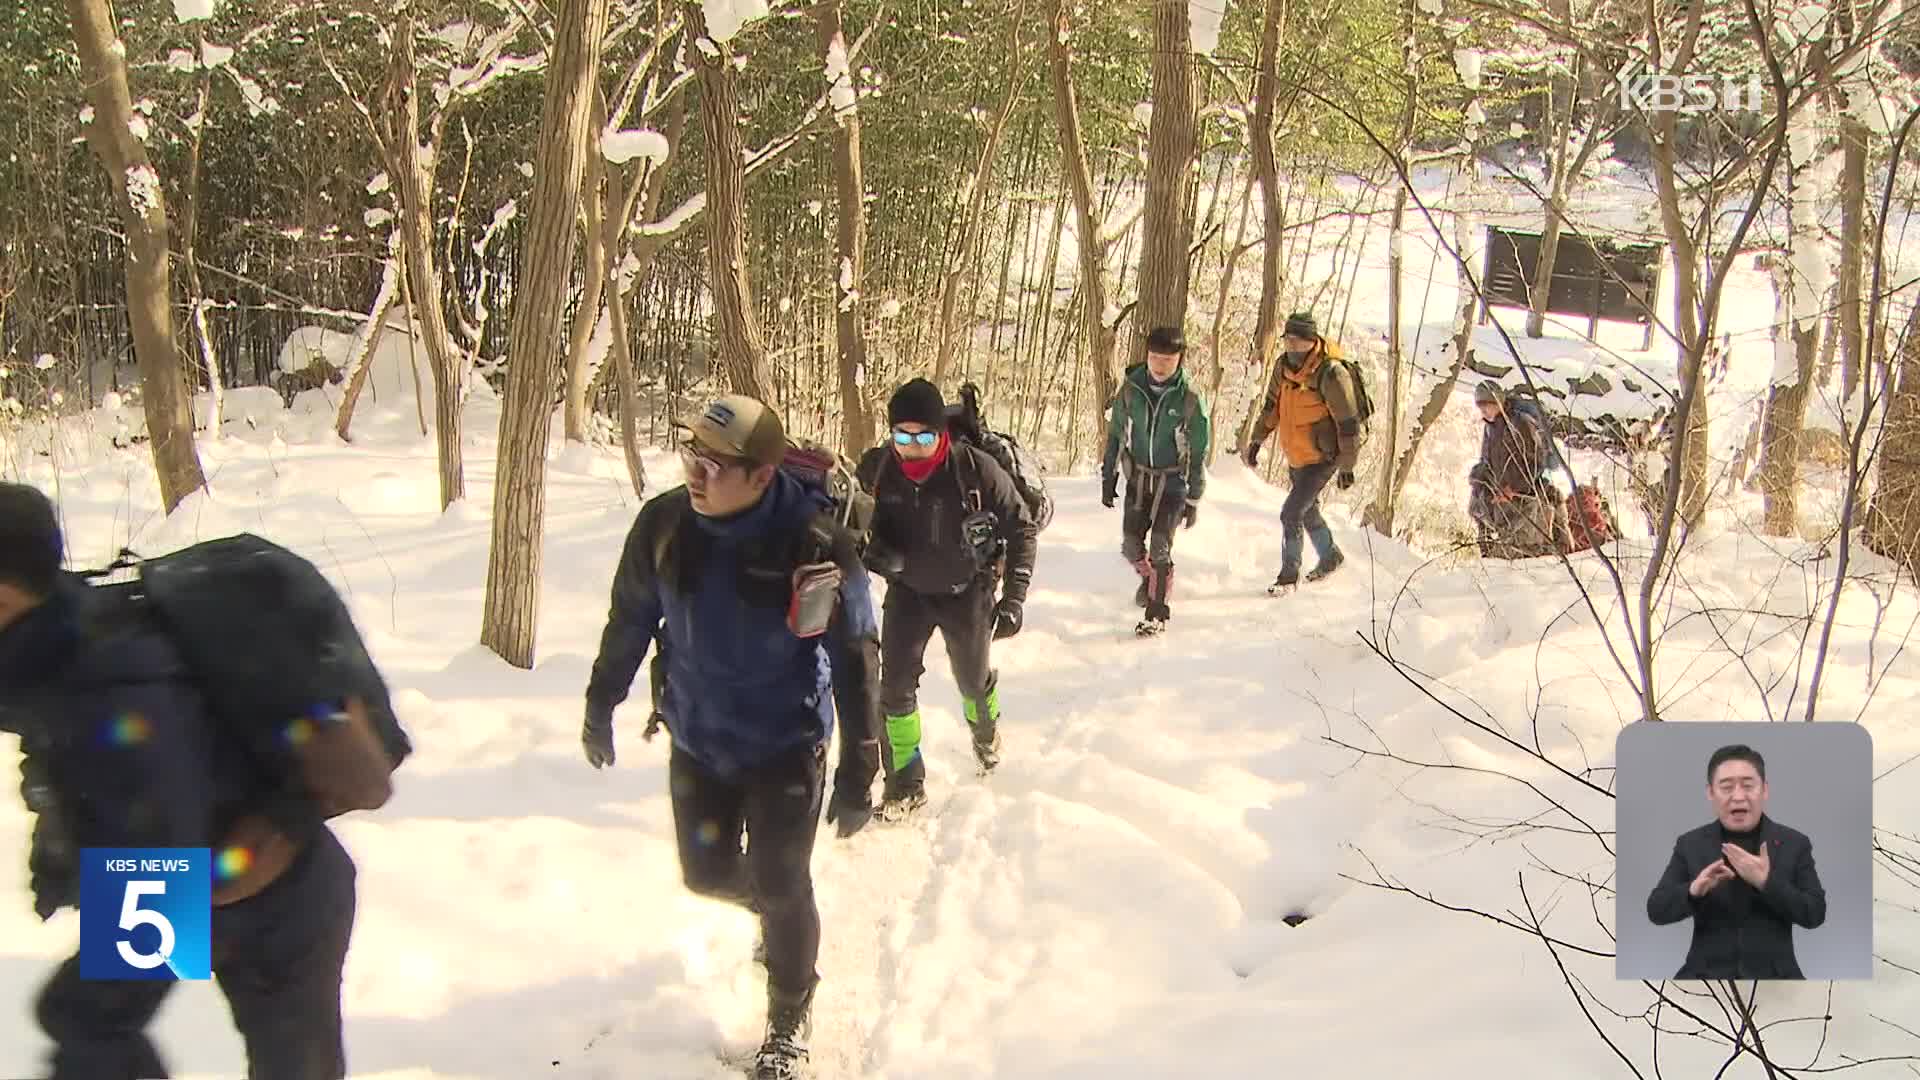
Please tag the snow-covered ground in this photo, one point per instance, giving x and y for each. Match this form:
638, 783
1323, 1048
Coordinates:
1110, 903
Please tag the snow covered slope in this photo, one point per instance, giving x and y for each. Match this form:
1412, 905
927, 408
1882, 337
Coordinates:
1109, 904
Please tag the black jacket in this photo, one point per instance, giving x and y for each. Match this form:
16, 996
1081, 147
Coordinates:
1740, 932
120, 748
920, 528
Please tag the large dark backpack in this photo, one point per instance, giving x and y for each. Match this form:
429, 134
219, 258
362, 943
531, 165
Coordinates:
1362, 397
966, 423
274, 651
1527, 405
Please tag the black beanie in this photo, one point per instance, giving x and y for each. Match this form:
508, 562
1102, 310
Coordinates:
31, 547
918, 402
1301, 324
1167, 339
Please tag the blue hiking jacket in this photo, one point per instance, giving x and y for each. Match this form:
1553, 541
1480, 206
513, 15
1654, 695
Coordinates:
741, 688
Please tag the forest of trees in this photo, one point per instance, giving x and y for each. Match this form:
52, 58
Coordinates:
610, 207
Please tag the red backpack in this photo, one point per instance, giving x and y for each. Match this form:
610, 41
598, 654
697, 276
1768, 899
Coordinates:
1591, 518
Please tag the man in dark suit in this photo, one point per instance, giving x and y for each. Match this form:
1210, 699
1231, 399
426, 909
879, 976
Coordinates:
1745, 880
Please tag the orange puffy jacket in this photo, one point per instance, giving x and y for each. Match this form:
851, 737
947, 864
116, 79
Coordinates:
1313, 411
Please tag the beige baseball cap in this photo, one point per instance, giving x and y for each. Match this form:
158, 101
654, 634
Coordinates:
739, 426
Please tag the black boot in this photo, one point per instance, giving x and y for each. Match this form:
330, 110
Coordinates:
784, 1053
1327, 566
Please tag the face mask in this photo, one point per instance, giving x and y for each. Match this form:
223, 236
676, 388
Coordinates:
1296, 357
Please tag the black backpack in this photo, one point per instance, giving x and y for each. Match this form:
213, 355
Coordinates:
967, 425
1357, 378
274, 651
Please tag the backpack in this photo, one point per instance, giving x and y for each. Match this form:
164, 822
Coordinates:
1591, 518
1357, 377
966, 424
274, 651
1528, 406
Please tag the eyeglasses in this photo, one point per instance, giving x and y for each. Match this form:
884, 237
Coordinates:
908, 438
692, 459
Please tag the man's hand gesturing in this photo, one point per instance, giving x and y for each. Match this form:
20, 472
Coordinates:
1715, 873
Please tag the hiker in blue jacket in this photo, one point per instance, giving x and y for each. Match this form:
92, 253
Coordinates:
709, 574
122, 752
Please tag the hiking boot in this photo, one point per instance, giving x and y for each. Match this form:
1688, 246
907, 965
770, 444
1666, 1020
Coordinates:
1150, 627
1326, 567
1286, 580
784, 1053
983, 720
895, 810
987, 753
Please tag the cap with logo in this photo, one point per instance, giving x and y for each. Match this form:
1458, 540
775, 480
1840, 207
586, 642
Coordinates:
741, 427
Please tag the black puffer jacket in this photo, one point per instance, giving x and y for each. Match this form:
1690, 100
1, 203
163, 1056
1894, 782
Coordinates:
920, 528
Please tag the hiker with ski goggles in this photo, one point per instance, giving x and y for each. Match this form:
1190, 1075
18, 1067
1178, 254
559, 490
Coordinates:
945, 515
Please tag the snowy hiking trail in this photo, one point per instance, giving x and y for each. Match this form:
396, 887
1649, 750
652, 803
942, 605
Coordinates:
1108, 904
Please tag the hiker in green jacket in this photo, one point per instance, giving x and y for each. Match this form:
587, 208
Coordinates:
1159, 430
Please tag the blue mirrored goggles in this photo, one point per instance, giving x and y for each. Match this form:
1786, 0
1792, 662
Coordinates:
908, 438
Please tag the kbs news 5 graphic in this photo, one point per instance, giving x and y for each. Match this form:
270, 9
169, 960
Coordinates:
146, 913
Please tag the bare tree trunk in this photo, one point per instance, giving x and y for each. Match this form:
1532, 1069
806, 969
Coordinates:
742, 344
1092, 243
1560, 107
1164, 265
360, 363
143, 214
401, 145
856, 425
1687, 296
1799, 322
587, 315
1266, 168
512, 605
970, 226
1786, 418
190, 248
1853, 254
1380, 514
1893, 521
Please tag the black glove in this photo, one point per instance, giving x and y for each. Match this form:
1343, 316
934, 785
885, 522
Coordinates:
1191, 514
1007, 617
1251, 455
1109, 491
851, 806
596, 736
1345, 479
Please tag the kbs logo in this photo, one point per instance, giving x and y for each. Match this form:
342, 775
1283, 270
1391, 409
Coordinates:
146, 913
1653, 91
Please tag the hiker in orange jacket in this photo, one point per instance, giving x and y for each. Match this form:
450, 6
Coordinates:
1311, 402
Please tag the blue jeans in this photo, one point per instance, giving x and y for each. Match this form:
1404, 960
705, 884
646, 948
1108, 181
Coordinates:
1300, 516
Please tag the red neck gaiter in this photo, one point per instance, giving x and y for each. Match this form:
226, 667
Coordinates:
918, 471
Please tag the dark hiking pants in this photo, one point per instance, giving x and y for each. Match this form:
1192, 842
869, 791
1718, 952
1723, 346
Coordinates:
1155, 503
1300, 517
277, 958
907, 622
778, 807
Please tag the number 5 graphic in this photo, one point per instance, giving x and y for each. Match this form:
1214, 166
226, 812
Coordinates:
133, 915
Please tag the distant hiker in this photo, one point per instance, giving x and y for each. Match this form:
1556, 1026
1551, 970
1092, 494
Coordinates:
1158, 430
736, 575
1314, 404
122, 750
1510, 508
945, 516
